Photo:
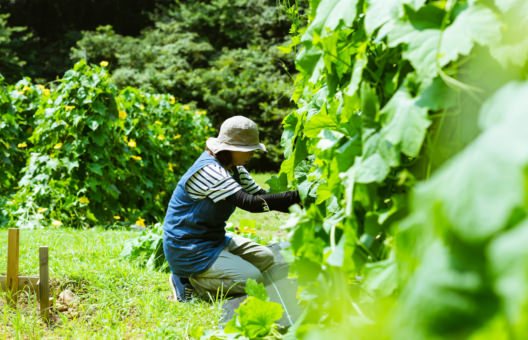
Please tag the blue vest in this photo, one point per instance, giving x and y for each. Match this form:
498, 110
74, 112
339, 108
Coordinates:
193, 230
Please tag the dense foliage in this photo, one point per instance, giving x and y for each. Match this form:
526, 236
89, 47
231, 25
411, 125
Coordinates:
18, 105
92, 154
221, 54
56, 26
12, 40
408, 150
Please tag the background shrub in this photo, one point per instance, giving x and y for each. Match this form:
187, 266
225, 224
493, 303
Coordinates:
56, 26
18, 104
102, 156
13, 40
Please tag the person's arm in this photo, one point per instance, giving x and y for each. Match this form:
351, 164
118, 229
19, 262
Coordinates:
248, 183
264, 202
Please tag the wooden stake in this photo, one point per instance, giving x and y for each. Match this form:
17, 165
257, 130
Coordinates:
29, 283
12, 262
44, 283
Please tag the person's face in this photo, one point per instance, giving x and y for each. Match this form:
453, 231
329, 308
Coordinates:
241, 157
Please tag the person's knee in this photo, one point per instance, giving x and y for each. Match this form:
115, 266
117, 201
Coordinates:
266, 259
254, 274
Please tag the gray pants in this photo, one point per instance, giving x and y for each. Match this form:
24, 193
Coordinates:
241, 260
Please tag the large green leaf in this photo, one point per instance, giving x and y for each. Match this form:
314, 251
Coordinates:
444, 298
329, 15
381, 278
371, 169
289, 124
508, 256
405, 122
429, 48
385, 13
513, 49
477, 192
422, 46
318, 122
359, 65
508, 104
255, 318
517, 5
380, 12
475, 24
515, 54
256, 289
310, 60
437, 96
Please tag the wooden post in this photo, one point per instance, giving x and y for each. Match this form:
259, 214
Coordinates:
44, 283
12, 262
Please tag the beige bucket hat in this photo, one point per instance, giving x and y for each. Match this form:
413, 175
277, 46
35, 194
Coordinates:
237, 133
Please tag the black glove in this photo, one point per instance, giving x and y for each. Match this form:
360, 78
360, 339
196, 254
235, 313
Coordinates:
264, 202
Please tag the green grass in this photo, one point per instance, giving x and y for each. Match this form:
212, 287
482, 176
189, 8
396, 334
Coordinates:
114, 298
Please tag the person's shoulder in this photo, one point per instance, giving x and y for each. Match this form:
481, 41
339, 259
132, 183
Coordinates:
214, 171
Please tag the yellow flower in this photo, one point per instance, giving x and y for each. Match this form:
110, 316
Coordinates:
122, 114
57, 146
170, 166
186, 107
158, 122
25, 88
125, 139
132, 143
172, 100
56, 223
137, 158
142, 107
84, 200
69, 107
104, 63
156, 99
22, 145
140, 222
40, 87
177, 136
161, 137
117, 217
41, 210
46, 92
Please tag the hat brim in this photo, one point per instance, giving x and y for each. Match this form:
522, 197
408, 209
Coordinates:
216, 146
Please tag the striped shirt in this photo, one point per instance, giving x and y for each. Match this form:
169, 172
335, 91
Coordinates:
217, 183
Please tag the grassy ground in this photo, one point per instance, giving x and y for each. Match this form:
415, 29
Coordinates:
112, 298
